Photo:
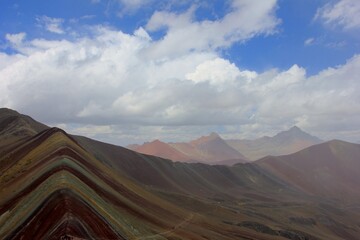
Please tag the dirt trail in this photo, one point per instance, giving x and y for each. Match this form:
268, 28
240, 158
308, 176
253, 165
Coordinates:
166, 233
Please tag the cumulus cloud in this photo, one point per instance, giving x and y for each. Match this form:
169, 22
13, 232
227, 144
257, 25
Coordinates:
184, 33
53, 25
218, 71
342, 13
112, 85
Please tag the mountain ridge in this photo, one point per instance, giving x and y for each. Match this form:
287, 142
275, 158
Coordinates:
69, 166
285, 142
211, 149
15, 126
337, 164
78, 187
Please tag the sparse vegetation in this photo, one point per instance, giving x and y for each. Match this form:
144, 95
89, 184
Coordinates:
120, 194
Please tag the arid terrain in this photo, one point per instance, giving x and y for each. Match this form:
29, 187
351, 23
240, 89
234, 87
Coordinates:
58, 186
213, 149
210, 149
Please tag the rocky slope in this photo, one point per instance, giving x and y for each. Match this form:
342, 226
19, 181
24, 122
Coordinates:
57, 186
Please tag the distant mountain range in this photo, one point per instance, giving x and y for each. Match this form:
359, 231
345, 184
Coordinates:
213, 149
57, 186
210, 149
315, 170
283, 143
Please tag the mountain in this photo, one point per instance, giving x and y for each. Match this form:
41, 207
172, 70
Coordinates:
330, 169
210, 149
52, 180
14, 125
259, 196
57, 186
160, 149
285, 142
213, 149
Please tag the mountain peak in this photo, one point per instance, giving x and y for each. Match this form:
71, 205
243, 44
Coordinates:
161, 149
295, 129
214, 135
8, 111
15, 125
295, 133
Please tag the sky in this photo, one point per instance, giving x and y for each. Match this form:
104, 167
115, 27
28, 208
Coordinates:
129, 71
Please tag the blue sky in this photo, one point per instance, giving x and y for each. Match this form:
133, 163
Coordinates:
331, 46
109, 65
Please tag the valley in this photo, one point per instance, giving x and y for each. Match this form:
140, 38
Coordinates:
53, 185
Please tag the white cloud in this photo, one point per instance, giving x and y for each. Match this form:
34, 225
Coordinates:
16, 39
246, 19
114, 85
219, 71
105, 81
309, 41
132, 6
53, 25
343, 13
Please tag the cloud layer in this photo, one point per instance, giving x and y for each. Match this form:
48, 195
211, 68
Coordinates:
117, 86
343, 13
245, 20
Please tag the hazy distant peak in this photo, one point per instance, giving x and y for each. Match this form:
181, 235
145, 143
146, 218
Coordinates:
295, 133
286, 142
212, 137
155, 142
295, 129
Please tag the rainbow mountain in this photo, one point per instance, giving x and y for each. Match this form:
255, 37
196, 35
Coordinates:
57, 186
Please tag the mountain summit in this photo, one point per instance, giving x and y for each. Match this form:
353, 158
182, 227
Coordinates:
295, 134
211, 149
285, 142
161, 149
15, 126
